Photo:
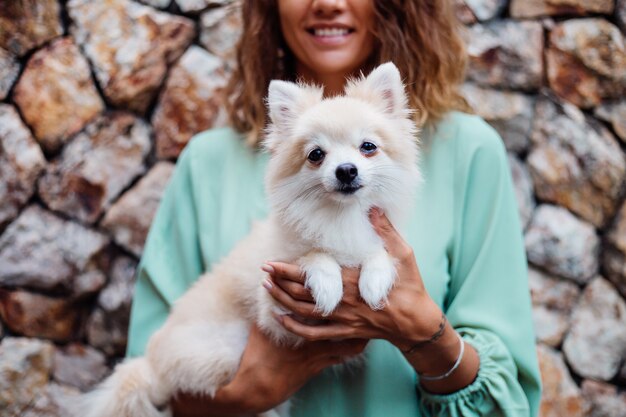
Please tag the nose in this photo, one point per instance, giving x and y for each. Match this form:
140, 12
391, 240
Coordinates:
346, 173
328, 7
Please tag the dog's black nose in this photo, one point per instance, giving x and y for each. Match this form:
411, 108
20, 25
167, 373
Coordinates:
346, 173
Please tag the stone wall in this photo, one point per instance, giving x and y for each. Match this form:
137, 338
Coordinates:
97, 99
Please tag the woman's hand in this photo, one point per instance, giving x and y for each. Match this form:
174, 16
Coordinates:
267, 376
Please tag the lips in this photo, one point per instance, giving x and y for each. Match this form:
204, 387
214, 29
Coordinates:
328, 32
348, 189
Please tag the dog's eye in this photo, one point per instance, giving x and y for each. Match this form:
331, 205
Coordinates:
368, 148
316, 155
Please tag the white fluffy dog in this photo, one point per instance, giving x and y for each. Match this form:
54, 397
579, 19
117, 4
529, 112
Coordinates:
331, 161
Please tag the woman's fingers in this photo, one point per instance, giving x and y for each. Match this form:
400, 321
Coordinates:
302, 308
316, 332
296, 290
394, 243
285, 271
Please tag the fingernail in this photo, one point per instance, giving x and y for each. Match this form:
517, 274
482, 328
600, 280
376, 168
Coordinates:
268, 268
278, 318
267, 284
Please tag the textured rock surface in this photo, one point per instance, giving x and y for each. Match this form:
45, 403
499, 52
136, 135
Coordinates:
130, 217
560, 396
620, 14
463, 12
596, 342
21, 162
614, 254
509, 113
553, 300
190, 6
9, 70
220, 29
535, 8
54, 400
486, 9
190, 102
96, 166
55, 94
41, 251
161, 4
576, 163
604, 399
36, 315
79, 366
523, 189
562, 244
27, 24
614, 113
506, 53
25, 366
130, 47
586, 61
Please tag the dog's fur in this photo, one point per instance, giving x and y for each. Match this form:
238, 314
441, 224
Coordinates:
311, 223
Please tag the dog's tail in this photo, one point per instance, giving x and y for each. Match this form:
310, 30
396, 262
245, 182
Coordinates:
132, 390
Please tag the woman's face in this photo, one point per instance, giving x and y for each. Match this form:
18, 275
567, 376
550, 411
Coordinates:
328, 37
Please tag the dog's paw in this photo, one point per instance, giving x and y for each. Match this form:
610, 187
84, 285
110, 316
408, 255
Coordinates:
323, 278
377, 277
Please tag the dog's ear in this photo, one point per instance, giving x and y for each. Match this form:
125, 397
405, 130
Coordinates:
383, 86
282, 103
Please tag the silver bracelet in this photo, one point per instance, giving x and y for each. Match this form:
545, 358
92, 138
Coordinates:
456, 365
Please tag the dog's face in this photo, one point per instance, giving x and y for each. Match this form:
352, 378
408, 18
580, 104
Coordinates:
360, 148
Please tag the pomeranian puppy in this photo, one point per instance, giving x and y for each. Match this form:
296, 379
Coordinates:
331, 161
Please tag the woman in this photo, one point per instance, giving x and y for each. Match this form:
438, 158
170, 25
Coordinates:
456, 337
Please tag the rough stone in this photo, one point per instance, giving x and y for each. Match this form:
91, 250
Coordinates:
117, 297
614, 253
220, 29
56, 94
28, 24
486, 9
21, 162
553, 300
536, 8
614, 113
523, 189
596, 342
54, 400
25, 366
36, 315
506, 54
463, 12
9, 70
191, 101
620, 14
576, 163
96, 166
130, 47
604, 399
88, 283
79, 366
160, 4
586, 61
130, 217
193, 6
41, 251
560, 396
509, 113
561, 244
110, 336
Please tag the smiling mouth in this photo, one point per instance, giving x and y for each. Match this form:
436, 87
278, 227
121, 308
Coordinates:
330, 32
348, 189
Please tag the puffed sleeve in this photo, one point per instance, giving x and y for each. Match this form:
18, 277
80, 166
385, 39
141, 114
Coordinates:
172, 259
488, 301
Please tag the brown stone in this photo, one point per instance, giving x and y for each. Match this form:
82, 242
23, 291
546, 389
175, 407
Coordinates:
130, 217
614, 113
576, 162
221, 28
96, 166
21, 162
36, 315
536, 8
56, 95
463, 12
620, 14
160, 4
130, 62
560, 396
614, 254
25, 366
54, 400
41, 251
28, 24
594, 346
190, 103
604, 399
586, 61
560, 243
193, 6
79, 366
506, 54
9, 70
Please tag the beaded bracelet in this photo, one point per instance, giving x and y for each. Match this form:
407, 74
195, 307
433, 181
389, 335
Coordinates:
449, 372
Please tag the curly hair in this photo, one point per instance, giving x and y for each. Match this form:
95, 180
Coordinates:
421, 37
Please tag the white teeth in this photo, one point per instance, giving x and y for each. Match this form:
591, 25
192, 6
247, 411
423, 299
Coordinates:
331, 32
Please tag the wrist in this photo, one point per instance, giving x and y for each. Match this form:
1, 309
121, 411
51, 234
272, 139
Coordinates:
420, 327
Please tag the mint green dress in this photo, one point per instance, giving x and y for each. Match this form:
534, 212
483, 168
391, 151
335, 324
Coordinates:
467, 240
